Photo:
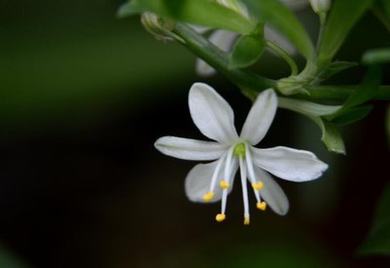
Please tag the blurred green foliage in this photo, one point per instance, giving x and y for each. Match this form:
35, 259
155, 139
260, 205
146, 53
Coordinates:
378, 240
63, 58
9, 260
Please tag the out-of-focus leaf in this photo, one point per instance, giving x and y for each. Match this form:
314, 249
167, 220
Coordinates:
9, 260
331, 136
387, 123
377, 56
247, 50
281, 18
202, 12
343, 16
381, 10
353, 115
386, 5
335, 68
363, 93
378, 240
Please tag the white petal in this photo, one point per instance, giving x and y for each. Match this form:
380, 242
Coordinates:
289, 164
272, 193
189, 149
224, 40
212, 114
275, 37
260, 117
198, 180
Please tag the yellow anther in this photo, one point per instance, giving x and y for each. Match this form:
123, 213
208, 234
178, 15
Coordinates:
224, 184
220, 217
207, 197
246, 221
261, 205
258, 185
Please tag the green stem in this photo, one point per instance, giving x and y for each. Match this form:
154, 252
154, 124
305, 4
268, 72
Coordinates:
338, 93
218, 60
285, 56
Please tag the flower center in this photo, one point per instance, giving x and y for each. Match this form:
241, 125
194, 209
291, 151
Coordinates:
239, 150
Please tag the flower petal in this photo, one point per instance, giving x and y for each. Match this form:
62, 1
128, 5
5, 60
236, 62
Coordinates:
189, 149
224, 40
272, 193
212, 114
289, 164
260, 117
198, 180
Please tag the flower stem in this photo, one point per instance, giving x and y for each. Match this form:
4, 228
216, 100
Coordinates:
218, 60
285, 56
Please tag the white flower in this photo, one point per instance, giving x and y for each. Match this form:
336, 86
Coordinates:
213, 181
224, 39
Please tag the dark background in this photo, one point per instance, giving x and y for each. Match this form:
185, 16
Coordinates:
83, 97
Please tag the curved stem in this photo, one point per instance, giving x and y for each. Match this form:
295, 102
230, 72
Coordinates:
285, 56
217, 59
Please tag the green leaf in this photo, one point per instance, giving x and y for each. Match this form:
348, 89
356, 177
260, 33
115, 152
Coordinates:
378, 240
386, 7
331, 136
201, 12
281, 18
247, 50
353, 115
377, 56
335, 68
306, 107
363, 93
342, 17
381, 9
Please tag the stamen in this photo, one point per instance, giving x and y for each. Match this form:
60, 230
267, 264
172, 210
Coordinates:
207, 197
257, 186
224, 184
228, 175
244, 191
220, 217
261, 205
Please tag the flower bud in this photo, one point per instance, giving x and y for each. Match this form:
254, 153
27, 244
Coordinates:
160, 28
320, 6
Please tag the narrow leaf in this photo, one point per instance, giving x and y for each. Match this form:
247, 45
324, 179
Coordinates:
378, 240
343, 16
247, 50
363, 93
335, 68
201, 12
281, 18
331, 136
353, 115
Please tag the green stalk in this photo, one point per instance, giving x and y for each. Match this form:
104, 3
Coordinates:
285, 56
218, 60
